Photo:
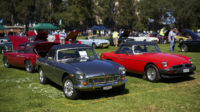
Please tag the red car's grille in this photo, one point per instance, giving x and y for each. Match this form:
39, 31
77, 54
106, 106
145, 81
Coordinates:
182, 65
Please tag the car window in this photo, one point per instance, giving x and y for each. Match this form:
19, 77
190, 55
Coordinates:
75, 53
126, 50
138, 49
28, 48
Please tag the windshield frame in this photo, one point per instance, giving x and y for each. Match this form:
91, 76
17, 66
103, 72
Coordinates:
95, 54
155, 45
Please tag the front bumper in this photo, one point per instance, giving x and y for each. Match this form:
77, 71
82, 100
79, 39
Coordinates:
103, 45
91, 87
181, 71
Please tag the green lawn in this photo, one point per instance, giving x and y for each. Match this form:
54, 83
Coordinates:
21, 92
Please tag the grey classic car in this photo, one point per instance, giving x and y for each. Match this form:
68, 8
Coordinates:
76, 67
95, 42
5, 45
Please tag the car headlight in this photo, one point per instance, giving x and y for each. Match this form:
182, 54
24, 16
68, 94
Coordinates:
122, 70
80, 75
190, 60
164, 64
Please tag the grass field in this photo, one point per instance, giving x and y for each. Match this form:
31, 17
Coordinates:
21, 92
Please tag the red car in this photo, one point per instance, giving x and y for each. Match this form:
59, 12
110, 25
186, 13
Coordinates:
146, 58
26, 55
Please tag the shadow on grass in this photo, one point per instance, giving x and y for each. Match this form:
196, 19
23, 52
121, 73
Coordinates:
178, 79
165, 80
88, 95
102, 94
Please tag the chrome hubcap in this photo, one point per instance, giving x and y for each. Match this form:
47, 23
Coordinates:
41, 76
68, 88
28, 67
6, 62
183, 48
151, 74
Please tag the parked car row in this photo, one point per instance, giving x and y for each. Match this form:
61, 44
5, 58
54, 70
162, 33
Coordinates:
76, 66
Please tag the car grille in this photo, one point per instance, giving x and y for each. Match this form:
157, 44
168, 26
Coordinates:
103, 79
182, 66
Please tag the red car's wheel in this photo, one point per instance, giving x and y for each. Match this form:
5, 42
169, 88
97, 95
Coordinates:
5, 61
152, 73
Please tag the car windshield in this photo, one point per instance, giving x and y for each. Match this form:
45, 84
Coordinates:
139, 49
76, 53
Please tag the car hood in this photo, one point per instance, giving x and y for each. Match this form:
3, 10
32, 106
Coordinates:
72, 35
17, 40
171, 59
41, 36
95, 67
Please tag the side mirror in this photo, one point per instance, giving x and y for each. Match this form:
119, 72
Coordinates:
50, 58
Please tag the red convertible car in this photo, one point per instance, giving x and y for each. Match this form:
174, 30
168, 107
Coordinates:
146, 58
26, 55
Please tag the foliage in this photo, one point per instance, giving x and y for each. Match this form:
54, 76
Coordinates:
82, 14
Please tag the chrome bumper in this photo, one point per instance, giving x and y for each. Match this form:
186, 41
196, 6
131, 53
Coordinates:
91, 87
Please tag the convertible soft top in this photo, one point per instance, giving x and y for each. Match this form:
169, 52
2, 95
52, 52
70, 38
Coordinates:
55, 47
138, 43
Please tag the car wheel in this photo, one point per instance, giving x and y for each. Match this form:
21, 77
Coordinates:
184, 48
94, 45
69, 91
6, 63
152, 73
29, 66
43, 79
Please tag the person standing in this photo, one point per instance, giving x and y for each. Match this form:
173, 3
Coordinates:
115, 38
162, 35
62, 37
172, 39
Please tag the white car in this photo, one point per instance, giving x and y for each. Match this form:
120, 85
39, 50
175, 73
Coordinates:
95, 42
145, 38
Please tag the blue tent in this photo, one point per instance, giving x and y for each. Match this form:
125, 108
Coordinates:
98, 28
103, 28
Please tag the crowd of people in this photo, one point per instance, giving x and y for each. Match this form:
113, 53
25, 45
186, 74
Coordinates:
115, 34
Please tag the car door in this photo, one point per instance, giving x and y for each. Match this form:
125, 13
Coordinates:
25, 53
122, 56
12, 57
128, 59
17, 57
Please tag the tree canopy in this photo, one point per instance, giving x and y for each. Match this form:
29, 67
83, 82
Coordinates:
81, 14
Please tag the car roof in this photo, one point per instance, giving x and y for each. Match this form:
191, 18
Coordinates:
129, 43
55, 47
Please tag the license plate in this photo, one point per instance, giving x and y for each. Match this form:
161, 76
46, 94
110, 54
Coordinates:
186, 70
105, 45
107, 87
